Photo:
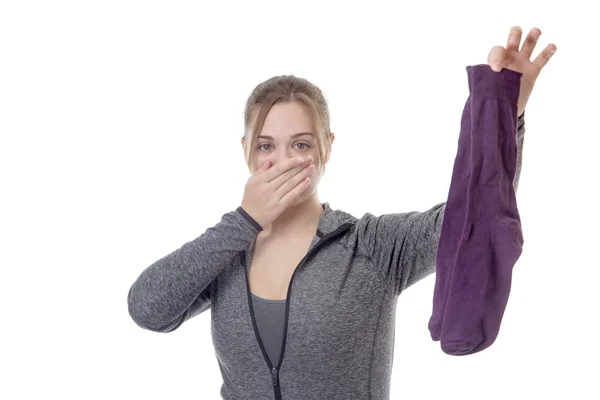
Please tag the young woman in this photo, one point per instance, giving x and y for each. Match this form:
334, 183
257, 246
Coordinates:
302, 296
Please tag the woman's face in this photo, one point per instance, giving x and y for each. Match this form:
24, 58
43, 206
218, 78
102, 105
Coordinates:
288, 132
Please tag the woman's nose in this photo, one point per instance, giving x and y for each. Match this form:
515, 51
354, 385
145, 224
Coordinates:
282, 158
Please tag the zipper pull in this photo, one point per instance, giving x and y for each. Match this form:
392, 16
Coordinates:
275, 376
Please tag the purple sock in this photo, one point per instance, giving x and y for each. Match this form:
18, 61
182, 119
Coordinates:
492, 240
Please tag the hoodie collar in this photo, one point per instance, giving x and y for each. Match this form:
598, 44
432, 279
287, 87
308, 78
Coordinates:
331, 219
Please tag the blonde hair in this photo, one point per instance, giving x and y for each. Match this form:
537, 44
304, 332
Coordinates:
284, 89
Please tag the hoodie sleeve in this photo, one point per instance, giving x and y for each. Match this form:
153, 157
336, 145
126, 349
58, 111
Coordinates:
520, 141
403, 246
177, 287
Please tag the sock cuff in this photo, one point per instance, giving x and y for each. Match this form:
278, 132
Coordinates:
487, 83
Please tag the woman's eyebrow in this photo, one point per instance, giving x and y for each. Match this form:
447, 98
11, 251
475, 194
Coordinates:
293, 136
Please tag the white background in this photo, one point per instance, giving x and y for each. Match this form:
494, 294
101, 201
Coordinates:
121, 125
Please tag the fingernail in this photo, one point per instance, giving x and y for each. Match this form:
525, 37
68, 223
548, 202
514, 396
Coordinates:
497, 66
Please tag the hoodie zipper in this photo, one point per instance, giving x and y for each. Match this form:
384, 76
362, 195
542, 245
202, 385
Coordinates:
275, 376
275, 369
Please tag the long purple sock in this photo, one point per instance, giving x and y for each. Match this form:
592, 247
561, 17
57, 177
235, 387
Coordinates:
492, 239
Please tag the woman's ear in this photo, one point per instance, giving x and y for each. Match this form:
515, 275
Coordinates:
331, 141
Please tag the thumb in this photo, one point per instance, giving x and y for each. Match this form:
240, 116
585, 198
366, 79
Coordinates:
496, 58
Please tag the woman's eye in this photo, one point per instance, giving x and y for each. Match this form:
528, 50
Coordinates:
305, 145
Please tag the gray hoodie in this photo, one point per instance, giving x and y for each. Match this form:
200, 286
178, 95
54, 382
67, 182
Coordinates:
338, 340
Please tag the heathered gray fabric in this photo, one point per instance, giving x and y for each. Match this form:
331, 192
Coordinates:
270, 318
338, 338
